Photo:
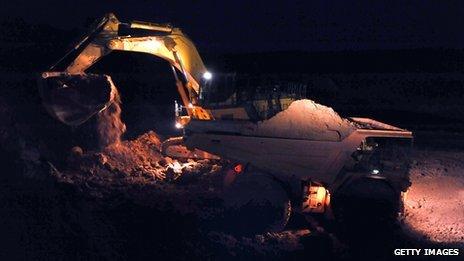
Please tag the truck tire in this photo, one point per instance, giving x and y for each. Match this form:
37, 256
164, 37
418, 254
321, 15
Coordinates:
255, 203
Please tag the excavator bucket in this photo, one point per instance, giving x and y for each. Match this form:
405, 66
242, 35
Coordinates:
74, 98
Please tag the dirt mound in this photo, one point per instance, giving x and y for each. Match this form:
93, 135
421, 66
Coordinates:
138, 161
306, 119
142, 154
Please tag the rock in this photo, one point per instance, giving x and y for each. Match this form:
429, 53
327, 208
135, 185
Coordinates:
170, 174
102, 159
163, 162
77, 152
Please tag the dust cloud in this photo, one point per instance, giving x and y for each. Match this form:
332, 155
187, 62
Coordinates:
109, 124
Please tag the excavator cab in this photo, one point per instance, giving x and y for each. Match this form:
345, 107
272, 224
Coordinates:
249, 97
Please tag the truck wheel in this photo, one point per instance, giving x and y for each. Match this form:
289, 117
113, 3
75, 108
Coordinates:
255, 203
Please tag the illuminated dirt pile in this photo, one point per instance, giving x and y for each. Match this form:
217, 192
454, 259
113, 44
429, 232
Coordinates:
138, 157
434, 203
136, 161
306, 119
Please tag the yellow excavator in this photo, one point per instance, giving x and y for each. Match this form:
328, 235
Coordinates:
354, 159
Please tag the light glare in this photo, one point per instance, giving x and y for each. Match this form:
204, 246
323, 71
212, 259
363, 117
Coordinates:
207, 75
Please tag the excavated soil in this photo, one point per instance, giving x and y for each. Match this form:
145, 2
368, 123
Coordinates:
137, 169
306, 119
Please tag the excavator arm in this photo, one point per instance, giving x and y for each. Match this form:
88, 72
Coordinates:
69, 93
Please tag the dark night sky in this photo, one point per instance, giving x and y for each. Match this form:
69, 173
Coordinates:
262, 26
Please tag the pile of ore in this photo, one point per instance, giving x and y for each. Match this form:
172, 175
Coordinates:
306, 119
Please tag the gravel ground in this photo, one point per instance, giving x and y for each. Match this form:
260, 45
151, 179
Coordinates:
434, 204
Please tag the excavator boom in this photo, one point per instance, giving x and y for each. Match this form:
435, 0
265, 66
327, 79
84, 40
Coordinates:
65, 79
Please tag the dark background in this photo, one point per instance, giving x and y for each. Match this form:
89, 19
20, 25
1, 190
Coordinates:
249, 26
340, 30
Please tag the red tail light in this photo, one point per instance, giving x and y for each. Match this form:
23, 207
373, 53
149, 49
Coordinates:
238, 168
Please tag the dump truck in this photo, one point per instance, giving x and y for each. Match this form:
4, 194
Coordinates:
297, 155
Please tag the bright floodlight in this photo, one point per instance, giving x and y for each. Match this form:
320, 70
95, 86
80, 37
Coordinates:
178, 125
375, 171
207, 75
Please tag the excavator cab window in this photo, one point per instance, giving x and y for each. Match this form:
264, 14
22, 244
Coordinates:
219, 91
261, 96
